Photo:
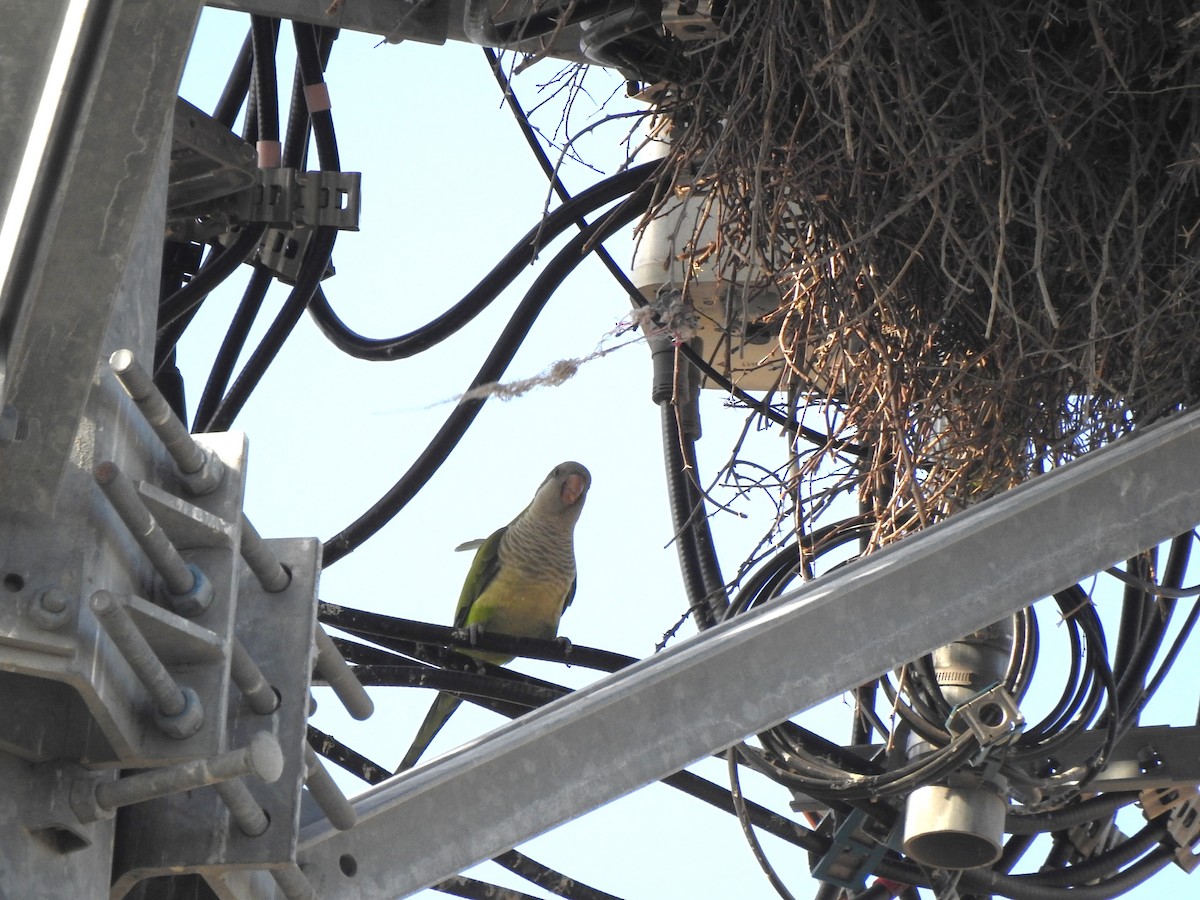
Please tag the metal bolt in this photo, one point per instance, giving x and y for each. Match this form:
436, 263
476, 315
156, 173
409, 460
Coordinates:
199, 469
327, 794
262, 758
251, 819
178, 711
333, 668
52, 609
189, 591
294, 883
1149, 759
53, 600
271, 574
251, 682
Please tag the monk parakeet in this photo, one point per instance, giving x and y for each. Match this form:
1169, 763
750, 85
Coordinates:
521, 580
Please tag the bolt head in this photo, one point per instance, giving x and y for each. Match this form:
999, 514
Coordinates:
52, 609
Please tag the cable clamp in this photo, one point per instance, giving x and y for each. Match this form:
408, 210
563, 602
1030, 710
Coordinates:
858, 844
690, 20
291, 197
1183, 826
1164, 799
287, 200
992, 716
1093, 838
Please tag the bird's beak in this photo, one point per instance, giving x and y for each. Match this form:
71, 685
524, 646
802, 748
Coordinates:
572, 489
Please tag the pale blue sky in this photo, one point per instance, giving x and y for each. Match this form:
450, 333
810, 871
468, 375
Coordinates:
448, 187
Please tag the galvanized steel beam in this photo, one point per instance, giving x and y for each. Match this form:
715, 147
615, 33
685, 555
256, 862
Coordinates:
746, 675
93, 90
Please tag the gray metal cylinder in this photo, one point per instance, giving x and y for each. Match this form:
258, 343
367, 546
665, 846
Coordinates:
967, 666
975, 662
954, 827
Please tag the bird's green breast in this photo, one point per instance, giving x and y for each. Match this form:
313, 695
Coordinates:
518, 605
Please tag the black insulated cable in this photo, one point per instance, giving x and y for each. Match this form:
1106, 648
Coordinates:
486, 291
1107, 864
632, 42
237, 86
316, 260
1014, 848
1171, 656
1105, 686
739, 803
505, 696
250, 122
679, 499
439, 449
774, 573
1071, 698
1136, 615
548, 879
264, 32
478, 25
219, 266
231, 347
1061, 819
547, 167
716, 594
1131, 681
309, 42
986, 881
299, 126
372, 626
474, 889
669, 388
349, 759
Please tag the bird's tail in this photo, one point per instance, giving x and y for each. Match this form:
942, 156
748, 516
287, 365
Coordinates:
439, 712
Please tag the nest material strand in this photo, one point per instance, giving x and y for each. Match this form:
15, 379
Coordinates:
986, 215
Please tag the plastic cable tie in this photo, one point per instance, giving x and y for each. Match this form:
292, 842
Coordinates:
317, 97
270, 154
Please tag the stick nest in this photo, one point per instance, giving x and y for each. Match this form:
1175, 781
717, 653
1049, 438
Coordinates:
984, 215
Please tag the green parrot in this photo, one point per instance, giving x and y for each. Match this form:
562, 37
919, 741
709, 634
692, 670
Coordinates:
521, 580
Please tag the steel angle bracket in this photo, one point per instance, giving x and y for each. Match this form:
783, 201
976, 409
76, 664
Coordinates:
741, 677
193, 833
428, 21
1160, 760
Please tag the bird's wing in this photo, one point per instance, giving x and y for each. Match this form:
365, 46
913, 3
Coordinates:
483, 569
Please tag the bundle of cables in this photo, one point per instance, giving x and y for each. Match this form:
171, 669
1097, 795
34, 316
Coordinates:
865, 781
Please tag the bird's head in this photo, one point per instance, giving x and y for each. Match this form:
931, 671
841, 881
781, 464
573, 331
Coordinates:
563, 492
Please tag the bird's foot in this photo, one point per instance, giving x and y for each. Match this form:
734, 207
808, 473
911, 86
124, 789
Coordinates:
565, 645
473, 633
